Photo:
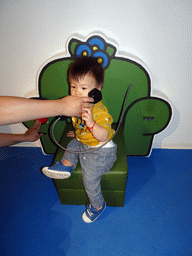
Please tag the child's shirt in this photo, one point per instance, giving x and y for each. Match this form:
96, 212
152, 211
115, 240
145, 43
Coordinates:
101, 117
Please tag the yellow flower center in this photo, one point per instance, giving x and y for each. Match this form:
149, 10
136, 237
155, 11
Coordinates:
99, 60
85, 54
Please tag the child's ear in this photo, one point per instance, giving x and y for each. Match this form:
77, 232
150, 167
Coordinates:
99, 87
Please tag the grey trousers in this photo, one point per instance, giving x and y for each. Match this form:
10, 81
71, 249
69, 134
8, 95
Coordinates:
94, 165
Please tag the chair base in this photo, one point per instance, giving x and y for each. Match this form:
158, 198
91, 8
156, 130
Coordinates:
79, 197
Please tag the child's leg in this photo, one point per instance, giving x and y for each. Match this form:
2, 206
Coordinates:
94, 165
66, 163
63, 169
91, 180
71, 159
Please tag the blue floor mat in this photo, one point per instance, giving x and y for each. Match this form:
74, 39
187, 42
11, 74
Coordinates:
155, 221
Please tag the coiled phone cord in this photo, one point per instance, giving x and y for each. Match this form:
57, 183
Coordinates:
95, 148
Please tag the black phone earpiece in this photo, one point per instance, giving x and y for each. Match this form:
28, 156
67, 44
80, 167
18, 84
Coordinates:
96, 95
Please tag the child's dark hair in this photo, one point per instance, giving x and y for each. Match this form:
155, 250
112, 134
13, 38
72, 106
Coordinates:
86, 65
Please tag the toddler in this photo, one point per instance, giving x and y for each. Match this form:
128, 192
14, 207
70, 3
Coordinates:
91, 130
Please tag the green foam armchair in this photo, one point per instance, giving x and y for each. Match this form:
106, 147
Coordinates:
144, 115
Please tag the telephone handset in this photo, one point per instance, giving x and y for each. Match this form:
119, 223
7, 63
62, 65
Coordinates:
96, 95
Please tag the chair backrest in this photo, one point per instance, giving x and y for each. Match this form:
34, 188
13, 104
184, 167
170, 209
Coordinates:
119, 75
120, 72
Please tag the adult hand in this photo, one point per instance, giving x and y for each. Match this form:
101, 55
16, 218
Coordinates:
74, 105
7, 139
32, 134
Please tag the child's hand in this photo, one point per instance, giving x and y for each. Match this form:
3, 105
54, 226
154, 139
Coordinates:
87, 116
71, 134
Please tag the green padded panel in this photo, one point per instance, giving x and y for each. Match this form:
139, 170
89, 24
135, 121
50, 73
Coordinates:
145, 118
120, 74
53, 82
79, 197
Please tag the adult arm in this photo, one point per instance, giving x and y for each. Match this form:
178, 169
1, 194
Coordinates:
17, 109
31, 135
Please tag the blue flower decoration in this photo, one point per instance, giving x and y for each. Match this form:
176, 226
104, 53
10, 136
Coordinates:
97, 41
95, 47
83, 50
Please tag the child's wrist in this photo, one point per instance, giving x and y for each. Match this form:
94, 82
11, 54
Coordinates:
91, 127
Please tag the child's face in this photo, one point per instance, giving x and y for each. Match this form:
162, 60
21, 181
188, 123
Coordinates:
83, 86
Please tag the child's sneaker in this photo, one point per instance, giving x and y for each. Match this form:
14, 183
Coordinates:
91, 213
57, 171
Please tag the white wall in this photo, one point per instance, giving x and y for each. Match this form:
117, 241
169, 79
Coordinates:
158, 32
